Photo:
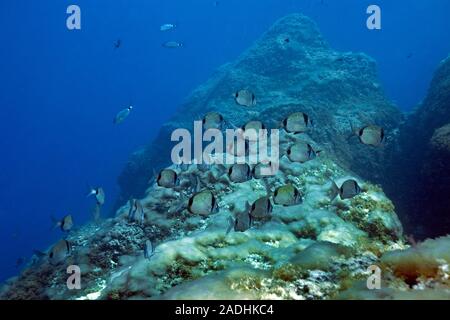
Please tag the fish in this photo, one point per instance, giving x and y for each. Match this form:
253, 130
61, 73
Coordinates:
172, 44
168, 178
297, 122
167, 27
122, 115
99, 194
194, 183
117, 44
212, 120
65, 224
348, 190
236, 147
287, 195
261, 209
136, 211
240, 173
301, 152
149, 250
242, 221
256, 126
256, 171
59, 252
245, 98
371, 135
203, 203
39, 254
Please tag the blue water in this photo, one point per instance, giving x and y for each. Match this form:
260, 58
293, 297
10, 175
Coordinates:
60, 89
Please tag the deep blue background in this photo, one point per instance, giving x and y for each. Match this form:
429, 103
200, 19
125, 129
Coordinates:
60, 89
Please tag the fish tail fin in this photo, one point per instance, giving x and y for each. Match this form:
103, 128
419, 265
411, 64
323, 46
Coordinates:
198, 184
39, 253
55, 223
91, 190
352, 129
232, 125
230, 224
334, 191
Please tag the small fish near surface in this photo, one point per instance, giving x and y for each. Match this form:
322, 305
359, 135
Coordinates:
212, 120
168, 178
149, 250
240, 173
348, 190
99, 194
203, 203
371, 135
301, 152
65, 224
136, 212
297, 122
172, 44
167, 27
261, 209
117, 44
287, 195
59, 252
245, 98
122, 115
242, 220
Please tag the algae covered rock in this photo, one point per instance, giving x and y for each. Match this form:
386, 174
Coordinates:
308, 250
420, 272
316, 246
338, 90
440, 141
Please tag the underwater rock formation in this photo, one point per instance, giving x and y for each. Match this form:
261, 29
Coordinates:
318, 247
309, 250
291, 68
420, 167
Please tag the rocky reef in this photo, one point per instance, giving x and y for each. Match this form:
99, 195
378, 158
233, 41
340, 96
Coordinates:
420, 166
290, 68
317, 247
310, 250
